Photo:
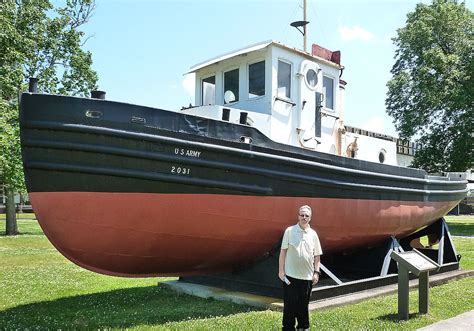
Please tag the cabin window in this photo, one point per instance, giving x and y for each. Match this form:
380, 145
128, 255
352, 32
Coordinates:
407, 147
256, 79
231, 86
328, 90
209, 91
284, 79
382, 155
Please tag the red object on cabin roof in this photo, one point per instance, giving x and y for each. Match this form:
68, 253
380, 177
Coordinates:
333, 56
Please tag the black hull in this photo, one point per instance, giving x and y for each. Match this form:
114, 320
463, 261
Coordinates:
64, 150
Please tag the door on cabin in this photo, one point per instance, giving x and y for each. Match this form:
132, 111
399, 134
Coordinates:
311, 101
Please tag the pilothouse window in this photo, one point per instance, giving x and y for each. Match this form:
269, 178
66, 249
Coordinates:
328, 91
231, 86
256, 79
284, 79
209, 91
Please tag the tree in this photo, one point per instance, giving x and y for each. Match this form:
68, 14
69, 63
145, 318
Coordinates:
430, 94
37, 40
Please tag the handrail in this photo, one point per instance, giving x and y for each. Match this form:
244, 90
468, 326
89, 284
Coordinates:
286, 101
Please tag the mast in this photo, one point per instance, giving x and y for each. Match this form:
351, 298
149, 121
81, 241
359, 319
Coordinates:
304, 27
299, 24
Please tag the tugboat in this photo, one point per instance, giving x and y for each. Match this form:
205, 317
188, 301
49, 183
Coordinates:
133, 191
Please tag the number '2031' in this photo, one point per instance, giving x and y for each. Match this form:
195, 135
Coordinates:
180, 170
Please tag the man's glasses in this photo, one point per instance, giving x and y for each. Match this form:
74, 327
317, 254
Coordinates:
305, 216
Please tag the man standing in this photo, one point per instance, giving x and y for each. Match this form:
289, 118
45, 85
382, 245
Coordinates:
299, 269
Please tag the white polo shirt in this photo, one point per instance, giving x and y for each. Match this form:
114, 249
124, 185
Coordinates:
302, 246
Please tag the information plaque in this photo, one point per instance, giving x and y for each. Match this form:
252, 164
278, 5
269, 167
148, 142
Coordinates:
414, 261
418, 264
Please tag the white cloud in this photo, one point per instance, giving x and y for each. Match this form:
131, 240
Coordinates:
381, 124
188, 84
388, 39
355, 33
375, 124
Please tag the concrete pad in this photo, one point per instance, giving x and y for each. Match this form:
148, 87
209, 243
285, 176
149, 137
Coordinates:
461, 322
203, 291
277, 303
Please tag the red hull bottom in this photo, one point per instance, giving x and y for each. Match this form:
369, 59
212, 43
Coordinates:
139, 234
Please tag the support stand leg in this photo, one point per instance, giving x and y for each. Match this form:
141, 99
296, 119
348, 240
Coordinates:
449, 241
441, 243
330, 274
423, 299
394, 246
403, 294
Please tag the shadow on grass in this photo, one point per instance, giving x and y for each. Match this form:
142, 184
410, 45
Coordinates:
25, 227
461, 229
22, 233
122, 308
394, 317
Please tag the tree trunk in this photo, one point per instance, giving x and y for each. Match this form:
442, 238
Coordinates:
11, 224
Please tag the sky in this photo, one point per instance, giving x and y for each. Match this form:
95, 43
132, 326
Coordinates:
142, 48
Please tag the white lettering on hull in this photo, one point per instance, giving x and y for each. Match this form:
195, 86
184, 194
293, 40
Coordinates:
187, 152
180, 170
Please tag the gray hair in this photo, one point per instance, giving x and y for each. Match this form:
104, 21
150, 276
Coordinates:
306, 207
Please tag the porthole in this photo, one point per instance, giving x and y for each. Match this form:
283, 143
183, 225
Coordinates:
310, 73
382, 155
311, 78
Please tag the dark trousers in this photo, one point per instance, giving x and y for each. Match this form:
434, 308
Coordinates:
296, 301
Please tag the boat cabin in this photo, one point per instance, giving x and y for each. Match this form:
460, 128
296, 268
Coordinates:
291, 96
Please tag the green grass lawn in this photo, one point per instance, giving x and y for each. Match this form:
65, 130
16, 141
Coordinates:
41, 289
462, 225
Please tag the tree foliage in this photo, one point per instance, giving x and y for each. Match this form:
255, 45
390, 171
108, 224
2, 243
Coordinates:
430, 95
38, 40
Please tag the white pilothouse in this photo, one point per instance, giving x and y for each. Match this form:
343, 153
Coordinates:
293, 97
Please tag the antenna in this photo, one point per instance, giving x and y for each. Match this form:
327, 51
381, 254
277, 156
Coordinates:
303, 24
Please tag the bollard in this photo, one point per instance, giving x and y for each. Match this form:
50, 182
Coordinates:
243, 117
98, 95
226, 114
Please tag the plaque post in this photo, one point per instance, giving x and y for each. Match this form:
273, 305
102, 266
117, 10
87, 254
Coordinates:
403, 293
418, 264
423, 295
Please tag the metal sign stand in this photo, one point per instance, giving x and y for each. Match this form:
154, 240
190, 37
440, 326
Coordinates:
418, 264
